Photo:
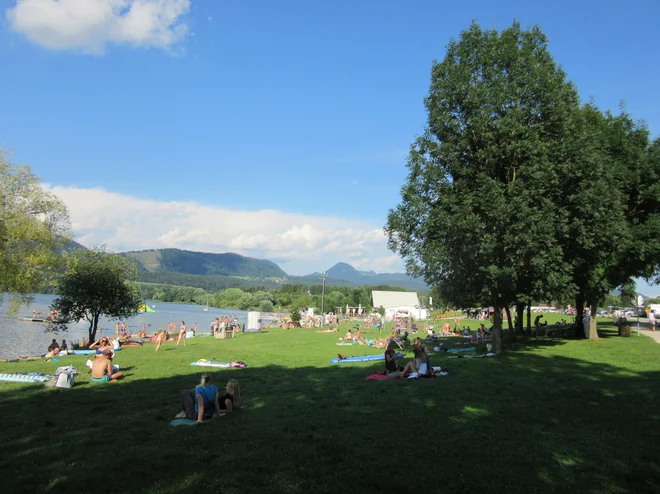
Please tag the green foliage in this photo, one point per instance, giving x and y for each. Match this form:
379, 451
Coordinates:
34, 228
476, 219
204, 263
515, 192
210, 283
97, 283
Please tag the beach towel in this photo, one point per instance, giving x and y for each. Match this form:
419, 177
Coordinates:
377, 376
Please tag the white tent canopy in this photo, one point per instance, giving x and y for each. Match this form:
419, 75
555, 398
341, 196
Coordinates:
399, 303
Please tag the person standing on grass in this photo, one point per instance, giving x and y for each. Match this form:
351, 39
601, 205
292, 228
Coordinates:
182, 334
160, 337
652, 320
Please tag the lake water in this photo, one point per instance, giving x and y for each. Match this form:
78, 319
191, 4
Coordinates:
30, 338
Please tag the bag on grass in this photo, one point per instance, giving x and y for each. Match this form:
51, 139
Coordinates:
64, 380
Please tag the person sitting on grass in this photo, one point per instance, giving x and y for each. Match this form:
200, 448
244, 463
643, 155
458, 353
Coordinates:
357, 334
349, 335
53, 349
390, 361
203, 402
102, 368
418, 364
101, 345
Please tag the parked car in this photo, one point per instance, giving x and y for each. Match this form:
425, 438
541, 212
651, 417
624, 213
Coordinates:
602, 312
634, 312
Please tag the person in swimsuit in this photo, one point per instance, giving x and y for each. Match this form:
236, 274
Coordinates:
160, 337
182, 334
101, 345
102, 368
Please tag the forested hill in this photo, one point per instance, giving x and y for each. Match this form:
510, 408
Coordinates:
204, 263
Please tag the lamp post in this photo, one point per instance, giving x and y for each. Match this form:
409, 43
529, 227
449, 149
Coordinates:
325, 273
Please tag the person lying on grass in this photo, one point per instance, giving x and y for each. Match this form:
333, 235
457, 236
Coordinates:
204, 401
331, 330
102, 368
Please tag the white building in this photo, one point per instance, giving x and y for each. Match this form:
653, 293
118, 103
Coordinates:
399, 304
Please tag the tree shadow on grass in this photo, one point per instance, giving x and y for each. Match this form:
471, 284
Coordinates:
521, 423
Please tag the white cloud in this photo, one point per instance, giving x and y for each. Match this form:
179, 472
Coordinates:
299, 243
90, 25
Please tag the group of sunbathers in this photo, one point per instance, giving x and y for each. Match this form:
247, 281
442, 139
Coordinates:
55, 348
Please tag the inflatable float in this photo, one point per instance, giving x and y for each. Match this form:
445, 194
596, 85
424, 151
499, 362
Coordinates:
461, 350
219, 365
33, 377
364, 358
88, 352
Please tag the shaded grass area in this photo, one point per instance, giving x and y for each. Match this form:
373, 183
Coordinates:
550, 415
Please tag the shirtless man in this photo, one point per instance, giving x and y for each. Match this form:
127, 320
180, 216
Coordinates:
102, 368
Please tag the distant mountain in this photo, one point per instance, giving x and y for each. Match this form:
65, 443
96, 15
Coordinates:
343, 271
204, 263
346, 272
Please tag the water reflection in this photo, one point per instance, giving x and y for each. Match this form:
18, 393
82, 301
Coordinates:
30, 338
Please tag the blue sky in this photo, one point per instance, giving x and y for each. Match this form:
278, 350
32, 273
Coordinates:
290, 118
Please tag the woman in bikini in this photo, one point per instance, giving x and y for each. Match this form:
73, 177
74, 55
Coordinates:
182, 334
160, 337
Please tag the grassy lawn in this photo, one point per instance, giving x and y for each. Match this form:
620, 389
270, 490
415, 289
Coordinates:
550, 415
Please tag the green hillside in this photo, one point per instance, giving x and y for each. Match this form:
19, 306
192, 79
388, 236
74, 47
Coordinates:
204, 263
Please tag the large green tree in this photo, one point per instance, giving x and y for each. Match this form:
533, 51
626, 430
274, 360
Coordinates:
609, 201
34, 227
476, 217
97, 283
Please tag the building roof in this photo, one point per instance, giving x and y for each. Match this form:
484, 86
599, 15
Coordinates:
395, 299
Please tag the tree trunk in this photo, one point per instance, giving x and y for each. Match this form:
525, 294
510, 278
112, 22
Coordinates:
579, 317
512, 333
520, 311
93, 326
497, 330
529, 318
593, 324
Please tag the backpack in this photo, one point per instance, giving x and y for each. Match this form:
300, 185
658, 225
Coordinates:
64, 380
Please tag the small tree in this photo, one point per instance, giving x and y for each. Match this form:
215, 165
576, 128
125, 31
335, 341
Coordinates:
97, 283
34, 227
